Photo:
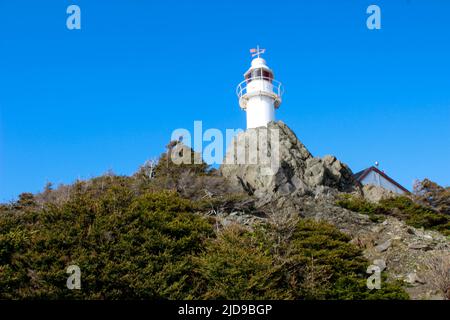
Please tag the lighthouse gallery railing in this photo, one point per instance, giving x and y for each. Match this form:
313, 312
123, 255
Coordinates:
277, 87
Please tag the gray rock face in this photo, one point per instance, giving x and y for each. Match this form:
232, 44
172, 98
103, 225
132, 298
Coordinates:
407, 253
383, 246
291, 168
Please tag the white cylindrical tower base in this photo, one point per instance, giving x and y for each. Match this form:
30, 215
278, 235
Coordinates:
260, 111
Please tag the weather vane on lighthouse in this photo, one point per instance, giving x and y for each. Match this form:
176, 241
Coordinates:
257, 51
259, 94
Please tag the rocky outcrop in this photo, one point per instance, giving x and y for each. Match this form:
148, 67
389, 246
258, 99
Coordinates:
291, 170
407, 254
306, 186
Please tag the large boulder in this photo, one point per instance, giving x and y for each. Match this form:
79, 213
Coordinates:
292, 168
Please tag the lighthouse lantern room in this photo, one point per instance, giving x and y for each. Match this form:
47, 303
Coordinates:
259, 94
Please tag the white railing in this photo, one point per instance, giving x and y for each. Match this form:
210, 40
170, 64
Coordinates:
276, 87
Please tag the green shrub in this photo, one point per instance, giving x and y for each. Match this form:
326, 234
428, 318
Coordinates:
126, 248
360, 205
316, 262
339, 266
401, 207
235, 266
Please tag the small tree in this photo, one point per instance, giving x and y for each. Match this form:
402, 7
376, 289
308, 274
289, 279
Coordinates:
432, 194
169, 163
177, 171
147, 170
26, 200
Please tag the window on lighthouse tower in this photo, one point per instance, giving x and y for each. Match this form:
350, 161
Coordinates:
259, 73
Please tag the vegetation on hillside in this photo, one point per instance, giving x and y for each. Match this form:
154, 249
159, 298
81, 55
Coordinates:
150, 236
427, 207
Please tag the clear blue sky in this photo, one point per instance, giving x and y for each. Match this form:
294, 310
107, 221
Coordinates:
78, 103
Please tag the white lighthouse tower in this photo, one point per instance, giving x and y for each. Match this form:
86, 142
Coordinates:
259, 94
